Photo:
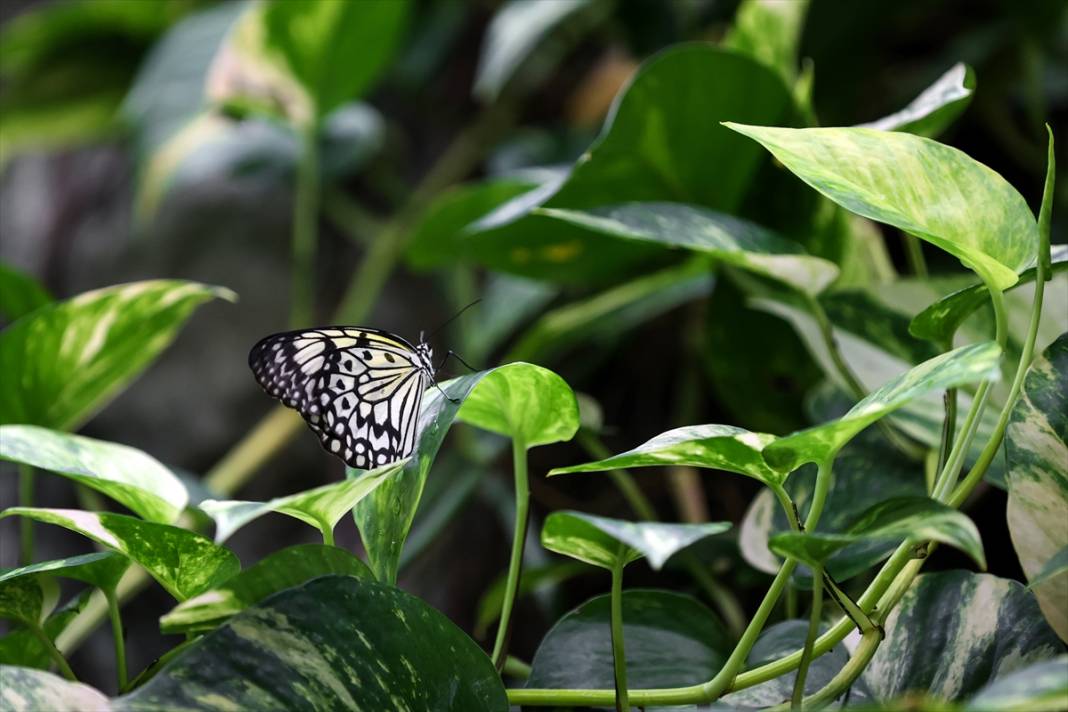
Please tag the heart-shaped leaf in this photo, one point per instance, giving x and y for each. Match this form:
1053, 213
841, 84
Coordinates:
953, 632
334, 643
527, 403
769, 32
321, 507
923, 187
130, 477
605, 542
936, 108
955, 368
183, 562
1040, 686
24, 689
914, 519
1036, 444
939, 321
735, 241
671, 640
67, 360
715, 447
283, 569
22, 647
20, 293
102, 569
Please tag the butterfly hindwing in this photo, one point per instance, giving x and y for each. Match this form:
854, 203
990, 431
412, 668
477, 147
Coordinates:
359, 390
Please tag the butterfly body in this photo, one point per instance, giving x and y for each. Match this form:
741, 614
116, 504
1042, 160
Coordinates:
358, 389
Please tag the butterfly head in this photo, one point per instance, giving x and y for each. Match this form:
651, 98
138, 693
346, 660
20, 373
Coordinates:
425, 355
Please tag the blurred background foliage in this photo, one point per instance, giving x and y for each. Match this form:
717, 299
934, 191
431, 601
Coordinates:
427, 151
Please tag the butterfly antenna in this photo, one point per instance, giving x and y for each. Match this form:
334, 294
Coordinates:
452, 318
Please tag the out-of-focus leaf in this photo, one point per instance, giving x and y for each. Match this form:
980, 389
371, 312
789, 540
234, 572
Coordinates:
24, 689
1037, 449
954, 632
1040, 686
321, 507
183, 562
613, 312
649, 150
1056, 566
130, 477
967, 364
72, 357
336, 642
732, 240
102, 569
283, 569
514, 32
22, 647
507, 303
22, 599
527, 403
930, 113
605, 542
715, 447
770, 32
913, 519
532, 580
671, 640
923, 187
20, 293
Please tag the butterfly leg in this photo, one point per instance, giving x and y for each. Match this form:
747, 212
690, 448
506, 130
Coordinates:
457, 357
454, 401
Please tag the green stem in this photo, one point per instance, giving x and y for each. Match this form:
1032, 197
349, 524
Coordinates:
514, 667
61, 662
914, 255
519, 537
949, 428
790, 607
622, 479
117, 636
845, 678
305, 228
619, 658
824, 477
860, 619
810, 638
26, 477
328, 533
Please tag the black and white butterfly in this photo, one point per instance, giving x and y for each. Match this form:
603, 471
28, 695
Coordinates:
359, 390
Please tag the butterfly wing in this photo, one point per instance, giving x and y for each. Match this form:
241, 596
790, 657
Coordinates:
359, 390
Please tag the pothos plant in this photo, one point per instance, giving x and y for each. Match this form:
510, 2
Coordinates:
315, 626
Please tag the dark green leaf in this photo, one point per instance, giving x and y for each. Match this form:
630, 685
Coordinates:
20, 293
967, 364
334, 643
21, 647
927, 189
83, 351
183, 562
27, 690
914, 519
936, 108
22, 599
1040, 686
735, 241
130, 477
283, 569
102, 569
671, 640
321, 507
603, 542
1036, 444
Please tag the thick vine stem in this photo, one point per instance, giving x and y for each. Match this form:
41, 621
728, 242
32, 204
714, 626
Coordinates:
53, 651
619, 655
118, 637
845, 677
515, 563
810, 638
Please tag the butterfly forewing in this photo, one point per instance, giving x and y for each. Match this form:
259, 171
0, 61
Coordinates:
359, 390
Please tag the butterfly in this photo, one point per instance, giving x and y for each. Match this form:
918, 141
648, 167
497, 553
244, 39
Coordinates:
358, 389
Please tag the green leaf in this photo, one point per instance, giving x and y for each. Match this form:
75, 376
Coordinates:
23, 599
954, 632
939, 321
1036, 445
130, 477
21, 647
769, 32
716, 447
533, 580
283, 569
513, 34
927, 189
734, 241
955, 368
938, 106
603, 542
1056, 566
527, 403
335, 49
650, 149
24, 689
914, 519
322, 507
20, 293
72, 357
102, 569
183, 562
507, 303
1040, 686
774, 643
671, 640
334, 643
612, 314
